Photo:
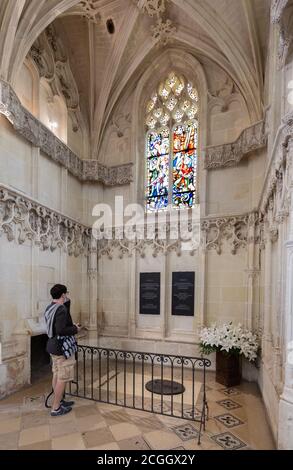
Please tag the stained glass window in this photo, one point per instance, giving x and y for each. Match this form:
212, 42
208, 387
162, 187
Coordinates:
184, 165
171, 150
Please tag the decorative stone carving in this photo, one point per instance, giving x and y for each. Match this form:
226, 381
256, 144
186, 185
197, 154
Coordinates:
57, 48
277, 9
22, 218
275, 200
110, 176
67, 86
223, 87
90, 9
210, 234
121, 123
282, 14
162, 32
49, 55
250, 139
92, 274
125, 241
40, 136
154, 7
43, 60
288, 129
233, 229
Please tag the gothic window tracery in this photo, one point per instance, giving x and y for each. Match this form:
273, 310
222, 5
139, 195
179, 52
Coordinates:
172, 145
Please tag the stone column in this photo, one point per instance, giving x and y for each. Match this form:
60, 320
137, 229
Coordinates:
35, 250
285, 430
132, 296
252, 272
285, 434
266, 339
279, 305
93, 285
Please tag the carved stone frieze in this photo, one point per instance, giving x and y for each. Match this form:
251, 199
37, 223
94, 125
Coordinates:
40, 136
250, 139
146, 239
231, 229
209, 234
22, 218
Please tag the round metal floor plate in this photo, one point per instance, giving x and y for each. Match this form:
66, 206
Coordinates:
164, 387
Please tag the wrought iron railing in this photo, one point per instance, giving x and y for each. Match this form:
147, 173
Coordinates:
120, 378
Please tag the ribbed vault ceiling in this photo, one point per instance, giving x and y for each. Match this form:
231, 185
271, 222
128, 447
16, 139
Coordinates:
232, 33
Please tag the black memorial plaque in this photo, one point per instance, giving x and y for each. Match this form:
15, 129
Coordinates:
149, 293
183, 293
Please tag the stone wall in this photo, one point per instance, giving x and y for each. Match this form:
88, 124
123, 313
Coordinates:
243, 263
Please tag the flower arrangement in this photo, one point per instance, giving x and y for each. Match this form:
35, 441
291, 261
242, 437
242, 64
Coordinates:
230, 339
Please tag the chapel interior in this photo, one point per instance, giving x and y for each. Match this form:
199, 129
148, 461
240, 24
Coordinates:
180, 112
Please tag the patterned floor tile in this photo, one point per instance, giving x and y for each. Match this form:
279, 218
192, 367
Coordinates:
230, 391
229, 404
88, 425
158, 408
192, 413
228, 441
186, 432
229, 420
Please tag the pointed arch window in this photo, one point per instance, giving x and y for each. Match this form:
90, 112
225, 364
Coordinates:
172, 145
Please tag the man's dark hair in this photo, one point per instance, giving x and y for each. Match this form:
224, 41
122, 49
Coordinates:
57, 291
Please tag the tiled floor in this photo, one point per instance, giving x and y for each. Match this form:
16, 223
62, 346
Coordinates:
237, 421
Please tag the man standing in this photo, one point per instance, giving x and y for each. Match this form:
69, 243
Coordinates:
61, 346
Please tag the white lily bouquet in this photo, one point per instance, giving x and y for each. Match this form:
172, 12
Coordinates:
230, 339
